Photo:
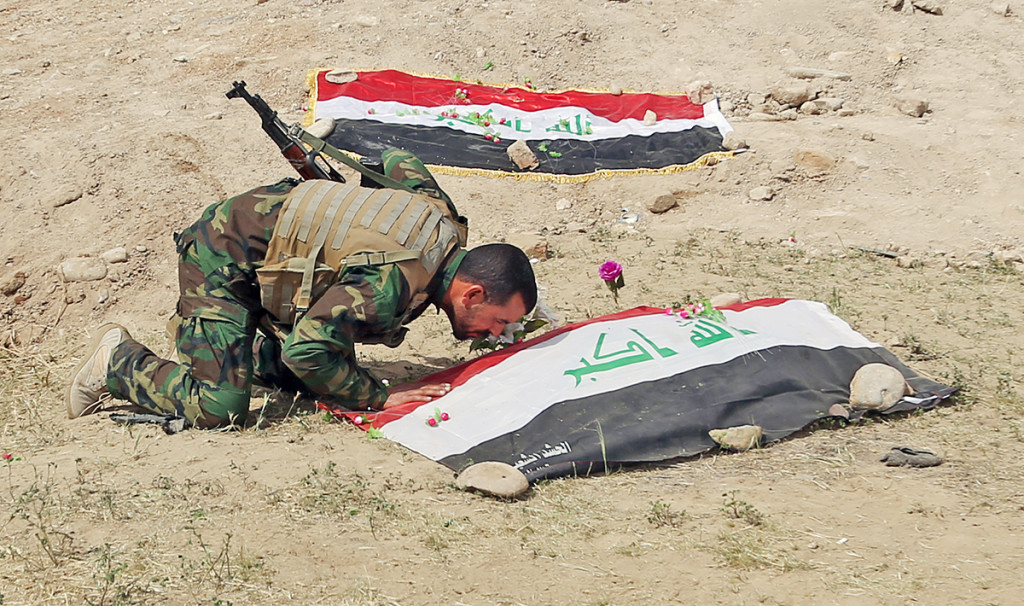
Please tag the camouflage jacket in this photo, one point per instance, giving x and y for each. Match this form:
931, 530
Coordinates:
365, 303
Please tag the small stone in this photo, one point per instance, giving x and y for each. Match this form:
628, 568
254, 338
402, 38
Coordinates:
700, 92
762, 117
807, 73
366, 21
793, 94
893, 56
662, 203
65, 194
650, 118
877, 387
11, 286
725, 299
838, 410
480, 52
758, 99
832, 103
814, 107
1000, 8
493, 478
214, 116
523, 157
115, 255
932, 7
908, 261
902, 456
340, 76
1005, 257
911, 106
322, 128
180, 59
534, 245
741, 437
732, 141
615, 89
102, 295
763, 193
82, 269
141, 248
814, 163
563, 204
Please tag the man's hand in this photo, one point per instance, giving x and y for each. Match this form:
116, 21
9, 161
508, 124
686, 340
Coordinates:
415, 392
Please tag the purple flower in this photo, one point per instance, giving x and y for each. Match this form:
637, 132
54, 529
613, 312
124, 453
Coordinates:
609, 271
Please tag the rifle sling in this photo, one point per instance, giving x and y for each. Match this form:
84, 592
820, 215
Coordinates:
319, 146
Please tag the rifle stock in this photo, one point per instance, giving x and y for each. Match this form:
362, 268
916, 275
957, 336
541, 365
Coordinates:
307, 162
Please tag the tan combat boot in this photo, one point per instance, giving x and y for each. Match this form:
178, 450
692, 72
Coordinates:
88, 383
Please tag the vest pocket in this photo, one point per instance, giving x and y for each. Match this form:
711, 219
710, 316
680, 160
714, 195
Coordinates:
281, 285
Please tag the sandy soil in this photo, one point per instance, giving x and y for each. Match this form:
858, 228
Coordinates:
118, 133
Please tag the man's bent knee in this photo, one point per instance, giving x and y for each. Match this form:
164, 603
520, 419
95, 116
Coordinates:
222, 407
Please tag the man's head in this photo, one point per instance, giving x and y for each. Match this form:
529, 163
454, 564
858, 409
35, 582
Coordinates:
493, 286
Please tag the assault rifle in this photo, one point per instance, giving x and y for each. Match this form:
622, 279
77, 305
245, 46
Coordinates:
305, 152
305, 160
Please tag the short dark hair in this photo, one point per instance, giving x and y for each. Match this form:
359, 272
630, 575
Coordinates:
503, 270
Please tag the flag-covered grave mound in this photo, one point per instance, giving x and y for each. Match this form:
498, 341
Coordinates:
464, 128
644, 385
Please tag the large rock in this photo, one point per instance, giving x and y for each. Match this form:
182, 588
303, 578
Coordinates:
493, 478
877, 387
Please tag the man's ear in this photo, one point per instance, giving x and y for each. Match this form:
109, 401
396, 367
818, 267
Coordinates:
474, 294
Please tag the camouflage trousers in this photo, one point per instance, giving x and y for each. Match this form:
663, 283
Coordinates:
217, 320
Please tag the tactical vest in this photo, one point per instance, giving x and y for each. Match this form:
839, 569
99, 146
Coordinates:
324, 227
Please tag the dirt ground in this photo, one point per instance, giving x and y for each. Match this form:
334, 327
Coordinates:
118, 133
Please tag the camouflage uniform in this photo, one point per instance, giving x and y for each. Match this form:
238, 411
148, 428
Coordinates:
219, 311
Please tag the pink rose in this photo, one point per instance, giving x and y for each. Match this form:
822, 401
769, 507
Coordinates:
609, 271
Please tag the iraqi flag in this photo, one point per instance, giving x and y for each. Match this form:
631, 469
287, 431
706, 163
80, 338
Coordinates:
463, 128
644, 385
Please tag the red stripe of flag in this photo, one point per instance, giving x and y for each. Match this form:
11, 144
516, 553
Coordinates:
393, 85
